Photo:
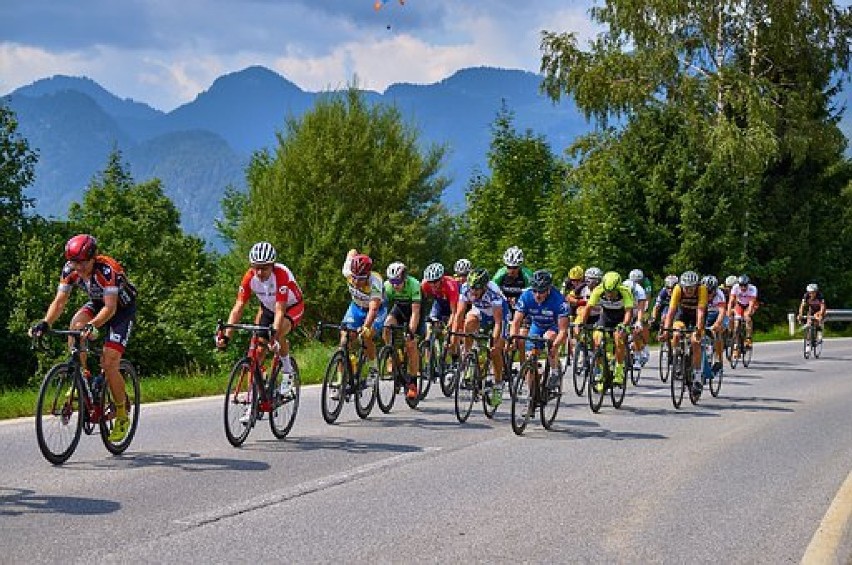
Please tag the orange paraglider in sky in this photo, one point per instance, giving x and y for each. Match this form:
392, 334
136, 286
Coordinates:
379, 3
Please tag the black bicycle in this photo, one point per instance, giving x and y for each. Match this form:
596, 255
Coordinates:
683, 373
471, 382
70, 403
533, 391
435, 353
812, 344
740, 350
344, 377
602, 372
254, 391
580, 368
393, 370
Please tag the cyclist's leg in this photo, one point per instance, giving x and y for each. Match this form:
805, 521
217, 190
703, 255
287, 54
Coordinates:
82, 317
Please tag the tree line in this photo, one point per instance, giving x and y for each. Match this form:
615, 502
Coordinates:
717, 149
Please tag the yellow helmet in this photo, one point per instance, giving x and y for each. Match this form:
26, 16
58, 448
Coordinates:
576, 272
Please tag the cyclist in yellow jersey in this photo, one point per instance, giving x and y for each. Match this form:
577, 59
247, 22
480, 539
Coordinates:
687, 308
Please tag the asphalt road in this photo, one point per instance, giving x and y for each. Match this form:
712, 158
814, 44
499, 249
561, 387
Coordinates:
743, 478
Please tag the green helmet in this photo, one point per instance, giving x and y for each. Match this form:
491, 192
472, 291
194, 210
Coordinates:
478, 278
611, 281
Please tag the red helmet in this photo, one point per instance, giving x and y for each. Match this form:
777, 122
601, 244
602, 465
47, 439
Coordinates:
360, 265
81, 248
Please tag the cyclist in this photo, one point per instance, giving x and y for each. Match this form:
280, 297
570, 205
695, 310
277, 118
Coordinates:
572, 287
814, 302
616, 308
444, 290
366, 312
586, 312
281, 304
488, 307
403, 298
661, 304
715, 319
462, 269
548, 313
111, 307
742, 304
687, 309
513, 277
641, 334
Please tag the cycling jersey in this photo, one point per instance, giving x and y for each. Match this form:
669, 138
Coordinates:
716, 302
623, 300
694, 302
485, 304
744, 296
107, 278
364, 291
448, 290
664, 298
408, 294
814, 303
512, 285
638, 294
280, 286
545, 316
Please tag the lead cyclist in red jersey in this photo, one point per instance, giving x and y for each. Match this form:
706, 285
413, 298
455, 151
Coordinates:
111, 306
281, 302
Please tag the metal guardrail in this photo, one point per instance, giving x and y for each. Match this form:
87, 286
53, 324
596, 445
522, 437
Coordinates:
831, 315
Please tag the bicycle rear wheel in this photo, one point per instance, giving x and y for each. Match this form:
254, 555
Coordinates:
59, 420
449, 372
285, 406
240, 403
616, 391
635, 372
488, 385
131, 406
806, 343
386, 387
817, 345
366, 388
595, 380
522, 398
716, 382
334, 386
550, 398
748, 351
580, 367
466, 384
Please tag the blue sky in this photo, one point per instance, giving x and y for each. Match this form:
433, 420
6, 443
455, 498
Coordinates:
165, 52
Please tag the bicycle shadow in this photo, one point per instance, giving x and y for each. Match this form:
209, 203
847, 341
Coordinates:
189, 462
750, 404
18, 501
562, 433
349, 445
682, 412
779, 366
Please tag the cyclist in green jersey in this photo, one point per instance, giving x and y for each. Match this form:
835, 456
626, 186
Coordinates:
403, 295
513, 277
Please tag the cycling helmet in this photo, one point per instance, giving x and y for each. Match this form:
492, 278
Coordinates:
743, 279
396, 271
513, 257
711, 282
433, 272
611, 281
262, 253
81, 247
360, 265
594, 273
576, 273
671, 280
731, 281
812, 287
478, 278
541, 281
636, 275
462, 267
689, 279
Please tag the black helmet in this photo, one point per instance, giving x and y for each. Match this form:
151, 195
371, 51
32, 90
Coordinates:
743, 280
541, 281
478, 278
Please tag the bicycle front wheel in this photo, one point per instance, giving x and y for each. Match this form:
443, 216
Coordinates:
366, 386
386, 393
466, 384
678, 378
806, 343
580, 368
131, 407
748, 351
522, 399
817, 347
59, 421
430, 358
550, 398
449, 372
616, 391
665, 361
595, 380
285, 405
716, 382
240, 403
333, 387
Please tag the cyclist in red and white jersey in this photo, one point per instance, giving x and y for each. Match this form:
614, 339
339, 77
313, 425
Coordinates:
281, 302
742, 303
111, 306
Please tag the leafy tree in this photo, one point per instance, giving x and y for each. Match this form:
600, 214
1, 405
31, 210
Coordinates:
345, 174
17, 165
745, 91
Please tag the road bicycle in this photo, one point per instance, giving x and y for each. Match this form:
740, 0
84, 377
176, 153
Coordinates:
435, 353
712, 378
472, 384
532, 390
665, 359
344, 377
812, 343
580, 368
254, 390
601, 372
71, 402
393, 370
630, 360
683, 373
739, 349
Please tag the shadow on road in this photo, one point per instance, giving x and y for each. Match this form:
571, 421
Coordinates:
18, 501
779, 366
683, 412
755, 404
191, 462
565, 431
296, 444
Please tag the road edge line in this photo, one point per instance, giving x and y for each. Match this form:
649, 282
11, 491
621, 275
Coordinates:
833, 529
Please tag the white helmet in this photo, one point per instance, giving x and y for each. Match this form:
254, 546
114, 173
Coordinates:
636, 275
513, 257
462, 267
396, 271
689, 279
671, 280
731, 281
593, 273
262, 253
812, 287
433, 272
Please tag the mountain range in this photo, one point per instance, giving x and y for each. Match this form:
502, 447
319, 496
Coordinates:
201, 147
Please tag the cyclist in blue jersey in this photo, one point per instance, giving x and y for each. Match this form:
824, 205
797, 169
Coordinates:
549, 315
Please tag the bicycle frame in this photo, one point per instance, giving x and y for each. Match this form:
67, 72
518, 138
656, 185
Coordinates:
259, 378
